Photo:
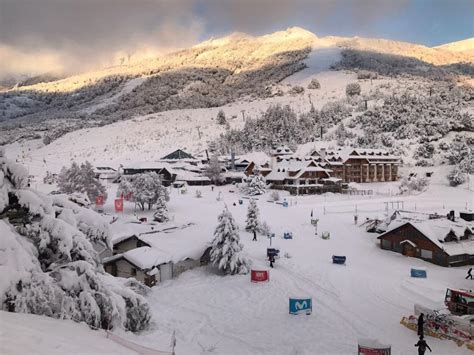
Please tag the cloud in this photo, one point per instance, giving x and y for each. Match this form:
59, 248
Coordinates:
70, 36
79, 35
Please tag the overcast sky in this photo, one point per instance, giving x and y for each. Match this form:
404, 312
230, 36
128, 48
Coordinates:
82, 33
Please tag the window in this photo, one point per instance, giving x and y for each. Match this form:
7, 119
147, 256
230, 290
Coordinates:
134, 271
426, 254
386, 244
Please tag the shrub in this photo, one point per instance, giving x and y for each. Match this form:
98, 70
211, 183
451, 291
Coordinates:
353, 89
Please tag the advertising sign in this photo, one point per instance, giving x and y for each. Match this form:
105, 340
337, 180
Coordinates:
259, 276
301, 305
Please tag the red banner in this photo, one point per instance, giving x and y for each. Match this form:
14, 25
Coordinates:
119, 205
99, 200
259, 276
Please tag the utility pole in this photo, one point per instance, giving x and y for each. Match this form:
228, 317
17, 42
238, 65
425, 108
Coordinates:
243, 115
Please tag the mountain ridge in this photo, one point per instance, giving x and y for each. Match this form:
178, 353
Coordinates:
440, 55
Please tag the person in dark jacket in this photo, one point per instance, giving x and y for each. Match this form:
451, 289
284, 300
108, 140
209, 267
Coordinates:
421, 323
421, 345
254, 236
271, 258
469, 274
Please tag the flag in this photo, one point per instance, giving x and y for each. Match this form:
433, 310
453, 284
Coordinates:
99, 200
119, 205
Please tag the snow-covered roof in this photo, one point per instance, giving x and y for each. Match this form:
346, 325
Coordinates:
282, 150
145, 258
340, 155
436, 231
178, 242
150, 165
282, 169
186, 175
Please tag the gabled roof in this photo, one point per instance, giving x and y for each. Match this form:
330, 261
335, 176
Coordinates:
436, 231
143, 258
178, 154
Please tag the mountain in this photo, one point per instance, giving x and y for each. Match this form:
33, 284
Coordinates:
213, 73
465, 46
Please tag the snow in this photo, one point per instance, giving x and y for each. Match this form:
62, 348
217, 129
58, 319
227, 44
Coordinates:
16, 260
146, 258
31, 334
364, 299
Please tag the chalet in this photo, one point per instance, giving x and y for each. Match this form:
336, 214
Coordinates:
105, 172
361, 165
153, 255
281, 151
145, 264
167, 175
439, 241
302, 177
254, 168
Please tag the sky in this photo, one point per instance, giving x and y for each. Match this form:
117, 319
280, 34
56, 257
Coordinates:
76, 35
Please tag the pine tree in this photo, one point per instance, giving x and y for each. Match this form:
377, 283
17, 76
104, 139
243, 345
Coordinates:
456, 176
226, 251
252, 222
57, 272
255, 186
161, 214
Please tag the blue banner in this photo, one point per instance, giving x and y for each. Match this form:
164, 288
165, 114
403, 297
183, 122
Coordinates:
421, 273
301, 305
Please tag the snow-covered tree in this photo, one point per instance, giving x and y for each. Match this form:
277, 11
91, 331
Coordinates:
252, 222
226, 251
220, 119
353, 89
80, 179
425, 150
125, 187
413, 183
147, 188
456, 176
255, 186
53, 269
161, 213
214, 170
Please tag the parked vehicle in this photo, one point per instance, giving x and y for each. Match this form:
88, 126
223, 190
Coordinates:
459, 302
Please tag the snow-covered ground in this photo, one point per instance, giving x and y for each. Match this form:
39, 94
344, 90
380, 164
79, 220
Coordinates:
230, 315
31, 334
366, 298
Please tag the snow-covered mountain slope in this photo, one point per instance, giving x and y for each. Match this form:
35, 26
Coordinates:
214, 73
465, 46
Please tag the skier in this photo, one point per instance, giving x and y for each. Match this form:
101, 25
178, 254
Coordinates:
254, 236
421, 345
421, 323
212, 188
271, 258
469, 274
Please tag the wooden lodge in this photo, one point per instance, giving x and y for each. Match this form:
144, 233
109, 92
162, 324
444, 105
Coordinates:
439, 241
